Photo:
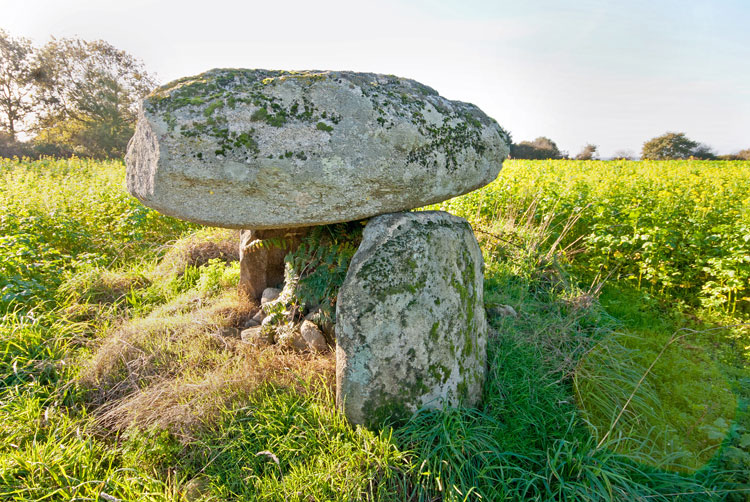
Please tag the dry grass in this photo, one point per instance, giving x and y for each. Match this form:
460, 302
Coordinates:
99, 285
197, 249
174, 369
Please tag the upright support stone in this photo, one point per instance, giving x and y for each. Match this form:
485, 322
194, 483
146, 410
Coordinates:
410, 323
262, 255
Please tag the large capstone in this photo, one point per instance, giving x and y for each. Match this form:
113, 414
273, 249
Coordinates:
410, 323
274, 149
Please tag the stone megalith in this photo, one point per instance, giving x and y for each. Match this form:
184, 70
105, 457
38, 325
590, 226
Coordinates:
262, 254
260, 149
410, 322
277, 151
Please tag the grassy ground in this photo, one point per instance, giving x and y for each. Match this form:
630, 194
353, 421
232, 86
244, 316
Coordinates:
613, 380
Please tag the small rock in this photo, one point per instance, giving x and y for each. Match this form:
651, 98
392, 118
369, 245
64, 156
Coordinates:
292, 339
313, 336
324, 324
251, 322
229, 332
259, 316
257, 336
269, 295
313, 315
503, 310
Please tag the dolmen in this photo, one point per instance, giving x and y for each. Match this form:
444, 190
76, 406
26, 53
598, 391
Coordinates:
276, 152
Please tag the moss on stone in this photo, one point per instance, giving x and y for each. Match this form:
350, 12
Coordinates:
434, 331
322, 126
210, 109
393, 99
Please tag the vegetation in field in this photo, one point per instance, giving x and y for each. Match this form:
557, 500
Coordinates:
58, 218
610, 378
676, 229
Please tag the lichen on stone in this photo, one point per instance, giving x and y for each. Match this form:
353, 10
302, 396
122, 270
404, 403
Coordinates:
410, 318
342, 145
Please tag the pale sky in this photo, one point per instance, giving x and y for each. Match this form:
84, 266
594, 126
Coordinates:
614, 73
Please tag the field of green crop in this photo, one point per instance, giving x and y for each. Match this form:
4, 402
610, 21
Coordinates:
680, 229
624, 375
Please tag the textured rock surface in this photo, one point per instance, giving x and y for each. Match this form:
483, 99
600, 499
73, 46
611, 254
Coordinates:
410, 321
262, 258
269, 149
269, 295
324, 324
291, 339
257, 336
313, 336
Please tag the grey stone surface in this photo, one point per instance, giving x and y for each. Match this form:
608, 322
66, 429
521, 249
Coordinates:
259, 316
503, 311
291, 339
313, 336
410, 321
269, 295
262, 255
257, 336
251, 323
325, 324
269, 149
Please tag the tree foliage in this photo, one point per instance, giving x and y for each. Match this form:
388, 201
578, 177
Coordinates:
671, 146
16, 84
72, 96
624, 155
588, 152
703, 152
540, 148
88, 95
741, 155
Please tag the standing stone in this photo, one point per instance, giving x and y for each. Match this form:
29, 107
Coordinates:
262, 255
410, 322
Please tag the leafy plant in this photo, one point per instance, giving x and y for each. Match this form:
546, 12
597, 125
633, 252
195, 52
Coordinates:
317, 268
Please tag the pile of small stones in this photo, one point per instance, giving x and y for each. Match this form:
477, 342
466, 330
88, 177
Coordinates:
265, 328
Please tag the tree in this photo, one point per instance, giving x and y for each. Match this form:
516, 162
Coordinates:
16, 84
741, 155
623, 155
10, 147
703, 152
89, 94
588, 152
540, 148
669, 146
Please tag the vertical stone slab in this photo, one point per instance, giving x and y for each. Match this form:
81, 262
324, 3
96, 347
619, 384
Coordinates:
410, 323
262, 255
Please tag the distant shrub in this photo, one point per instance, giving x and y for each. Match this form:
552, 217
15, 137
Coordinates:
539, 149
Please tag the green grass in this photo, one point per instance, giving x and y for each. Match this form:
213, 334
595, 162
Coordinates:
113, 382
